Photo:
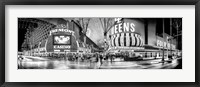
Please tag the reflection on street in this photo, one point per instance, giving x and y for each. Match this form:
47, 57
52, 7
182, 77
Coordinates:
118, 63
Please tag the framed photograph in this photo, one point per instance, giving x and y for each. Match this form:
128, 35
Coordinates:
99, 43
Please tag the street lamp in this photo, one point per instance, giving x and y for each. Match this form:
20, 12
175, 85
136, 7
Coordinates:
168, 43
167, 46
163, 59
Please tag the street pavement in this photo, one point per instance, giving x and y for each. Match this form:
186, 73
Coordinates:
29, 62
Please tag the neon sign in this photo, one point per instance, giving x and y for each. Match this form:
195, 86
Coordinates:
62, 30
122, 27
62, 39
62, 47
165, 44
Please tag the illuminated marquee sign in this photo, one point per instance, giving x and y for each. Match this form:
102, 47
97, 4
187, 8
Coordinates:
166, 45
62, 39
133, 48
122, 27
62, 30
61, 47
42, 49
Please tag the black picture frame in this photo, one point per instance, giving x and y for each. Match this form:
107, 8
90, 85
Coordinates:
99, 2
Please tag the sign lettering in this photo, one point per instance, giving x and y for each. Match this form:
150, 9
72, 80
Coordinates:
165, 45
61, 30
122, 27
62, 47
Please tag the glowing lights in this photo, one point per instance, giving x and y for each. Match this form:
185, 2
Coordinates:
165, 44
62, 47
62, 30
120, 26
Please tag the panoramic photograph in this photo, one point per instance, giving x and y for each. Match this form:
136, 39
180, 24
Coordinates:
99, 43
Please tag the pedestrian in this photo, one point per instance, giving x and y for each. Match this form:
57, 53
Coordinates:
107, 56
97, 58
101, 58
111, 59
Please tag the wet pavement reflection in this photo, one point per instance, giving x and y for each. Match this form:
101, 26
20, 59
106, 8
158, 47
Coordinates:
29, 63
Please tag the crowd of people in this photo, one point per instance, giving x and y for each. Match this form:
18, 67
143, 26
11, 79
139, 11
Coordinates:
92, 57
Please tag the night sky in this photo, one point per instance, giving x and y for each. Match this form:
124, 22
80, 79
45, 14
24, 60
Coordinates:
159, 29
21, 34
22, 29
21, 37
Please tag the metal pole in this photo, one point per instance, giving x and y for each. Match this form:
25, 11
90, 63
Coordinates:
171, 37
177, 37
167, 47
163, 40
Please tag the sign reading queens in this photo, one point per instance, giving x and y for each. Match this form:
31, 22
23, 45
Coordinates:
61, 40
127, 33
122, 26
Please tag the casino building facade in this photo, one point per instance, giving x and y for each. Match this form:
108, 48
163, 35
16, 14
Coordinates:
147, 37
143, 37
54, 36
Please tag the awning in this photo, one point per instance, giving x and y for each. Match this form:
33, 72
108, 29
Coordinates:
127, 40
154, 48
118, 49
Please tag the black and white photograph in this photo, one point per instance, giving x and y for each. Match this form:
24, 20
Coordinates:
99, 43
